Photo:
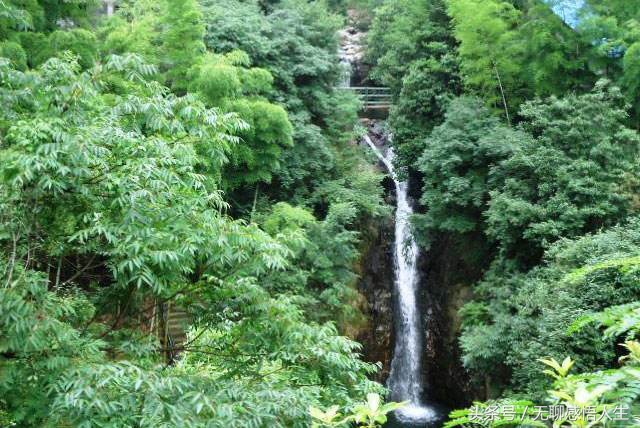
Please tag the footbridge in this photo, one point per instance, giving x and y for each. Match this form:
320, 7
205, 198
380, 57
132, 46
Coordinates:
372, 97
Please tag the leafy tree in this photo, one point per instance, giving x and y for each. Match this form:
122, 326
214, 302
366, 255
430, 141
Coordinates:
324, 254
135, 28
306, 37
112, 209
574, 176
412, 47
44, 15
457, 161
612, 29
490, 55
224, 81
556, 58
111, 203
269, 132
512, 51
31, 31
296, 41
526, 316
183, 30
15, 53
539, 190
168, 33
602, 398
551, 178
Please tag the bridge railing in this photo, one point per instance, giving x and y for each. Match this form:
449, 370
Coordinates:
372, 97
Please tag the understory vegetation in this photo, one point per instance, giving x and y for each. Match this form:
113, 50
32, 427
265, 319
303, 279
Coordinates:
522, 129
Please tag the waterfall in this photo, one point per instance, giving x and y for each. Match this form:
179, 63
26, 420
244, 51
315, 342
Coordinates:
405, 378
347, 70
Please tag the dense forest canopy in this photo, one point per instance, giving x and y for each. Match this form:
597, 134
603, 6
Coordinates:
196, 156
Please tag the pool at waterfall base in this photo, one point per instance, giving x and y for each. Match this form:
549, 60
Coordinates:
428, 415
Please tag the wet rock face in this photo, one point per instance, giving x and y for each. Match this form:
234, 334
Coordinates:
376, 285
446, 278
446, 284
352, 51
378, 134
377, 275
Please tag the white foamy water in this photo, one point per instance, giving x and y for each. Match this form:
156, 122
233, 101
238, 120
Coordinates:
405, 381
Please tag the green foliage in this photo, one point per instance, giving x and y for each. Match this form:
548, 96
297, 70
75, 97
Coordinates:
296, 42
548, 311
413, 51
132, 182
619, 320
268, 364
258, 156
72, 383
39, 341
509, 53
559, 370
35, 46
404, 32
302, 57
324, 254
33, 49
217, 81
257, 81
44, 15
135, 28
30, 31
293, 47
457, 161
567, 170
78, 41
554, 60
370, 414
526, 165
168, 33
13, 17
597, 397
182, 40
223, 81
488, 47
572, 177
613, 30
14, 52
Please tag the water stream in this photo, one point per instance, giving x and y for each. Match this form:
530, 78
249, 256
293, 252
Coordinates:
405, 380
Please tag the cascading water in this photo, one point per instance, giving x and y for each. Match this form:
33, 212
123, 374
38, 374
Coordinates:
405, 378
347, 70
